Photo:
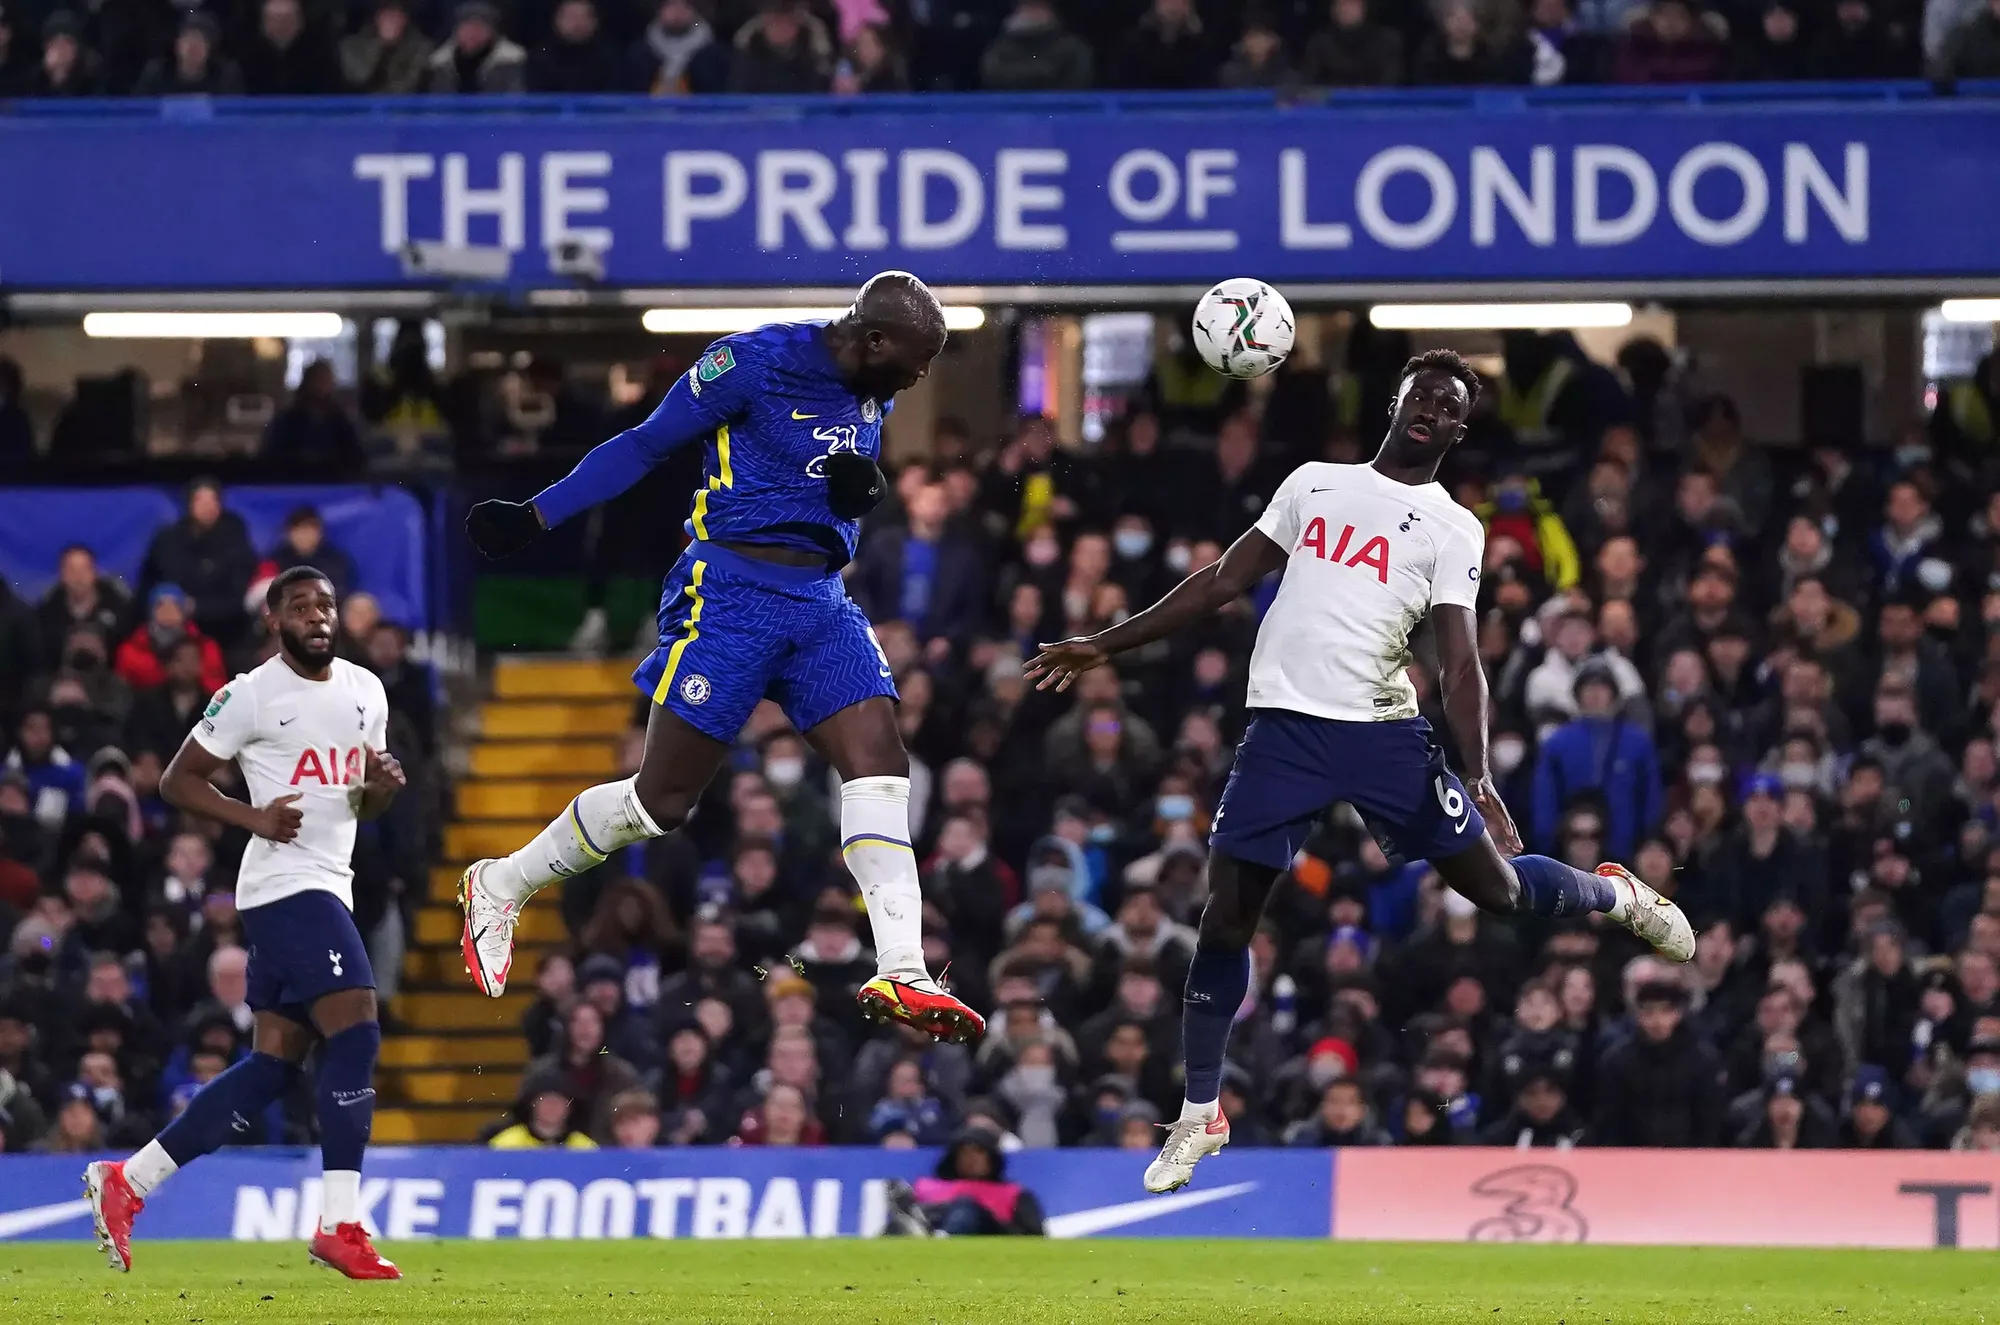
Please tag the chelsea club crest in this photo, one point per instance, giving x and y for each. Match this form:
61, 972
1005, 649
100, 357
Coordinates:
870, 411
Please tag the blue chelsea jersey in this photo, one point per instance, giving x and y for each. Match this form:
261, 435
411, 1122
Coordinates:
768, 406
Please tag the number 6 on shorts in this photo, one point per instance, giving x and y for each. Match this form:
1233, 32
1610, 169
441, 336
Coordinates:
1449, 799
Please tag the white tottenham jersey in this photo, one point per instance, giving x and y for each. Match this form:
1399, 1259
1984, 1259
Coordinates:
1369, 557
290, 735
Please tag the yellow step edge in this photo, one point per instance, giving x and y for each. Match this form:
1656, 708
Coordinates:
491, 837
439, 1014
497, 1087
539, 798
542, 720
439, 927
444, 965
404, 1127
401, 1052
594, 759
562, 678
444, 888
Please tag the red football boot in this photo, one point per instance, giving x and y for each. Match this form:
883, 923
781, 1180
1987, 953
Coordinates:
922, 1003
348, 1250
113, 1206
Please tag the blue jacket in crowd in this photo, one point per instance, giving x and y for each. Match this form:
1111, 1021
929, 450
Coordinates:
1609, 759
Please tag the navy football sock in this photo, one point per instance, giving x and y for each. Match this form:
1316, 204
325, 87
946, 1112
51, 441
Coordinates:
1551, 888
1216, 984
226, 1106
347, 1095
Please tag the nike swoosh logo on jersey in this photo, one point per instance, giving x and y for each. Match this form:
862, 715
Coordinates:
803, 417
286, 722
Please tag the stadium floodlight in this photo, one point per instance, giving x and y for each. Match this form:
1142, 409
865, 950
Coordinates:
1498, 317
722, 321
211, 326
1971, 310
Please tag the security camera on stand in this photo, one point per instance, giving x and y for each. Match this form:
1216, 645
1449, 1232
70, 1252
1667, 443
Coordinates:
464, 264
577, 261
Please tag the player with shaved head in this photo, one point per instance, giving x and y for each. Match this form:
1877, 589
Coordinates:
789, 417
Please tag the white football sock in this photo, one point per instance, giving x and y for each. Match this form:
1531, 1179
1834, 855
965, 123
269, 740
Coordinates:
875, 841
339, 1199
150, 1167
1200, 1113
598, 822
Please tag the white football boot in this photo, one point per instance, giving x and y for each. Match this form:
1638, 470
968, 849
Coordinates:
1649, 915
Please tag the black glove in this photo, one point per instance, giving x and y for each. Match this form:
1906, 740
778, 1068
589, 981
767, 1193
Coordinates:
502, 528
854, 484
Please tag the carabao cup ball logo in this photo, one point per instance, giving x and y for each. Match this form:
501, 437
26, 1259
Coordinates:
695, 689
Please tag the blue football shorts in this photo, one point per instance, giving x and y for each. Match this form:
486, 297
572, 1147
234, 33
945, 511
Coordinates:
302, 948
735, 630
1291, 767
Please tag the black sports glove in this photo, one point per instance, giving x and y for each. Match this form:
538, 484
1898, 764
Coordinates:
502, 528
854, 484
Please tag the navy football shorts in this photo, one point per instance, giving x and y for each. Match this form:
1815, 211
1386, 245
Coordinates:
302, 948
1291, 767
735, 630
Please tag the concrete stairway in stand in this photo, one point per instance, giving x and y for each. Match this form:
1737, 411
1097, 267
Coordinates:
550, 728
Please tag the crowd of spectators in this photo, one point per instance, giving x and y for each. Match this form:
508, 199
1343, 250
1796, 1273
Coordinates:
403, 418
1765, 677
49, 48
123, 980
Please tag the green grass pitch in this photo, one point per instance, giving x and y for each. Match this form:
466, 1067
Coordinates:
988, 1281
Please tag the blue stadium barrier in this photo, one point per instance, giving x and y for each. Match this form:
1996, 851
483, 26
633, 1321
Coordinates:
995, 103
1818, 183
1698, 1198
273, 1195
383, 529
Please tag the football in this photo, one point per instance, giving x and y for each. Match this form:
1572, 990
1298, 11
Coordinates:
1243, 328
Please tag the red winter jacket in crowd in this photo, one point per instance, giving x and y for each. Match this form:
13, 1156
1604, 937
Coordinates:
143, 667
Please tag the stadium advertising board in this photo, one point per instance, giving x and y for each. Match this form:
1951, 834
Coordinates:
704, 1193
1704, 1198
1657, 1197
1493, 190
381, 528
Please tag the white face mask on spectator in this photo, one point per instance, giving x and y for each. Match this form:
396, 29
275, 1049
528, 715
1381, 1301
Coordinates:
785, 772
1508, 753
1702, 774
1036, 1077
